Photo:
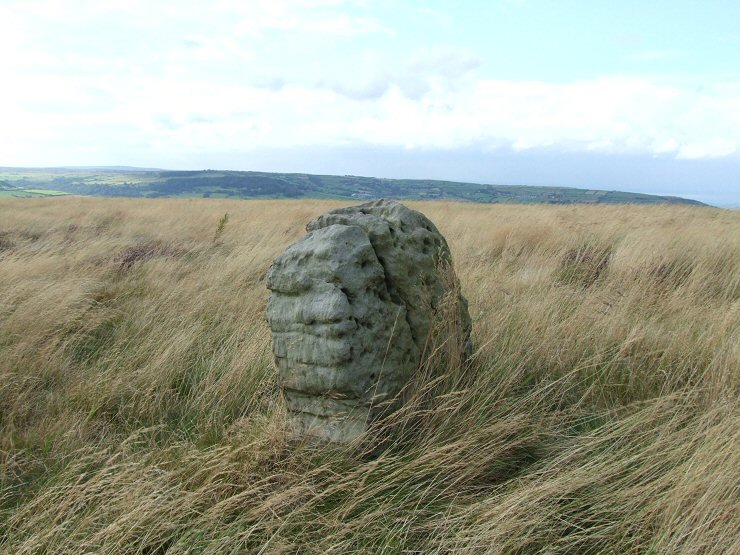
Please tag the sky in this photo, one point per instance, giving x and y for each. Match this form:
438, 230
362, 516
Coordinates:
629, 95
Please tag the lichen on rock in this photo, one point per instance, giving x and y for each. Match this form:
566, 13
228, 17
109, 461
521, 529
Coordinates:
351, 312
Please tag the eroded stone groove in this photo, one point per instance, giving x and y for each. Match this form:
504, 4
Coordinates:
351, 310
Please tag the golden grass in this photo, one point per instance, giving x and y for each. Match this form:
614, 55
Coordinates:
140, 414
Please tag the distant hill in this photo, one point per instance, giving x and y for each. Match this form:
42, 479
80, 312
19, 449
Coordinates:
123, 181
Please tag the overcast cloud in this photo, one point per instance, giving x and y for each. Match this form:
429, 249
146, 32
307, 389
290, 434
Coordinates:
186, 83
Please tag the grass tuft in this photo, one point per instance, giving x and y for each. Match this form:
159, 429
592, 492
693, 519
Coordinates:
126, 259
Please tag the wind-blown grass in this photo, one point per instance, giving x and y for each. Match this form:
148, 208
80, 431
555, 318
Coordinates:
139, 411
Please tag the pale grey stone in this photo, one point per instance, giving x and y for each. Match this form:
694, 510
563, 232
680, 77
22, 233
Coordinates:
351, 311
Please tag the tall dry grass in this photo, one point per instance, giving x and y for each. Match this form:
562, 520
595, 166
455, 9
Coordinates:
139, 411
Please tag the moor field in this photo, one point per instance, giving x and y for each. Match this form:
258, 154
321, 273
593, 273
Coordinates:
139, 411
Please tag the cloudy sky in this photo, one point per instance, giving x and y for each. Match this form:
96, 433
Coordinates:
631, 95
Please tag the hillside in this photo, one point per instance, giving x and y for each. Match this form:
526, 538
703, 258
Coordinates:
10, 190
139, 411
149, 183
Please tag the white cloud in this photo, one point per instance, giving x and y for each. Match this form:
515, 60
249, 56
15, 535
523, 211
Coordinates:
449, 62
715, 148
658, 55
606, 115
424, 70
236, 76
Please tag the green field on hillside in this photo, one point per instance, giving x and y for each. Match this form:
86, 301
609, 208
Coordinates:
9, 190
243, 184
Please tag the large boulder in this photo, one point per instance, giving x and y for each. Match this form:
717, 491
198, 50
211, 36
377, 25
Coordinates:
352, 310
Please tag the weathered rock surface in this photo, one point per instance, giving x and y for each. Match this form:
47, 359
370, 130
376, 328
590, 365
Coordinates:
351, 310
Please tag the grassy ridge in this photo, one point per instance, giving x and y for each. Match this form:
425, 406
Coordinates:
240, 184
140, 414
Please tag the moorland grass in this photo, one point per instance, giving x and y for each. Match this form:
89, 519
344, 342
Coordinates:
139, 411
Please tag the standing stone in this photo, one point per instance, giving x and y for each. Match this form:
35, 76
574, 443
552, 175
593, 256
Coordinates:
352, 310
